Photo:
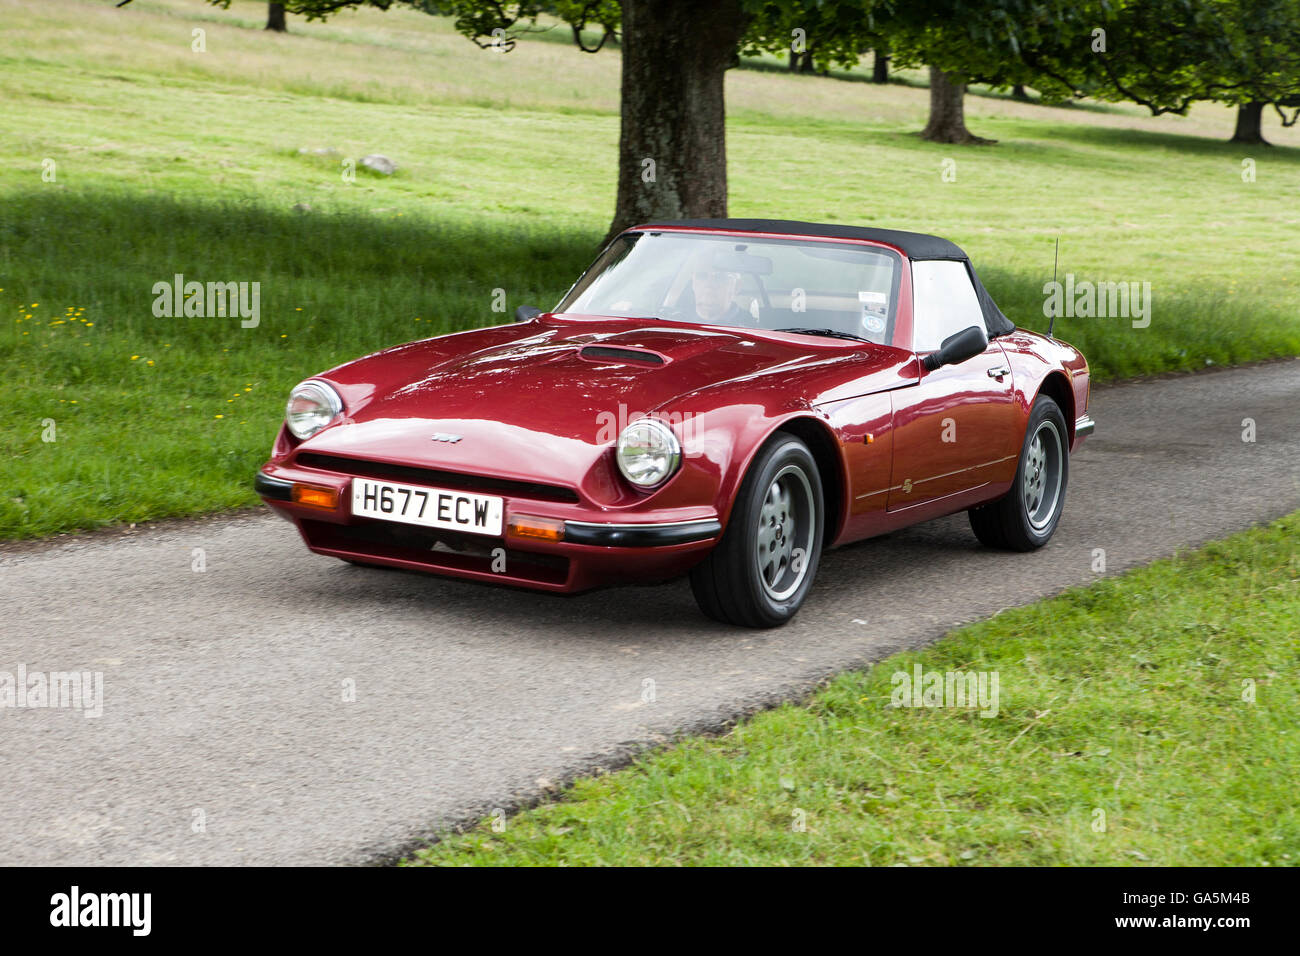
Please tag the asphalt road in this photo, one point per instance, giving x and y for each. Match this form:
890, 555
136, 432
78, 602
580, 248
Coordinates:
225, 737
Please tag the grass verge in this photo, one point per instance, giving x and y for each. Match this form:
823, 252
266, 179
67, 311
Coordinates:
1149, 719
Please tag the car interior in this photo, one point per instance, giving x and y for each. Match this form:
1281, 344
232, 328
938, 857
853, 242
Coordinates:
861, 313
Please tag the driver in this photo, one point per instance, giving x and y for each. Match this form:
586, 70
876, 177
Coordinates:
715, 294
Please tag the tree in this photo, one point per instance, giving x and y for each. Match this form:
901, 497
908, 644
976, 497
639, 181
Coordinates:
880, 64
1167, 54
672, 160
961, 41
947, 123
1264, 65
965, 41
1148, 52
817, 34
275, 17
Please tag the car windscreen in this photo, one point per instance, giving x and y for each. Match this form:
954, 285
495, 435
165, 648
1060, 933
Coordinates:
832, 287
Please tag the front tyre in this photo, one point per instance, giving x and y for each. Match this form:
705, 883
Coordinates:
1026, 517
761, 570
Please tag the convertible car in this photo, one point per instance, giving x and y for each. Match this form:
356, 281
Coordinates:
723, 398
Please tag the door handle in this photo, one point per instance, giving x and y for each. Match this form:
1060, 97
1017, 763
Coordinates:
998, 372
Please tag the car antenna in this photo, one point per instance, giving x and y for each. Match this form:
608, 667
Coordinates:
1055, 261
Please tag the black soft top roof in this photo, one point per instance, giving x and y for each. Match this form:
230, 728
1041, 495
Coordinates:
917, 246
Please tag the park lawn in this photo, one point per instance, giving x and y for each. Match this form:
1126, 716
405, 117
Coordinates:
1149, 719
166, 161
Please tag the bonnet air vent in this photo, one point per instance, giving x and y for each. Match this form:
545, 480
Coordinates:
607, 353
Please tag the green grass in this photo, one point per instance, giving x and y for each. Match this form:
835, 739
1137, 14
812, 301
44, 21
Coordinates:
170, 161
1123, 737
157, 417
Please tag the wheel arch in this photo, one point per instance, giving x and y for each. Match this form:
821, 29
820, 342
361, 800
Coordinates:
830, 467
1057, 387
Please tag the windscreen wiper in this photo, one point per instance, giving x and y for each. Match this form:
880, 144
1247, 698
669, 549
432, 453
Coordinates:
827, 332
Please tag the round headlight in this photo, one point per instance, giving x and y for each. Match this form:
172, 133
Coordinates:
312, 406
648, 452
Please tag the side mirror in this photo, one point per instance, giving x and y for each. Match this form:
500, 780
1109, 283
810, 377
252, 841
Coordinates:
526, 312
964, 345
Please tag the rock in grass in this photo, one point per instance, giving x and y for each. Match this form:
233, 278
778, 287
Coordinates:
303, 207
379, 164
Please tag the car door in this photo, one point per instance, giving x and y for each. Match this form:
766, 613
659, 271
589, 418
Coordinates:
956, 428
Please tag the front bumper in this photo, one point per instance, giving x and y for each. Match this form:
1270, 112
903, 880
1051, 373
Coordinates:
274, 489
593, 551
641, 534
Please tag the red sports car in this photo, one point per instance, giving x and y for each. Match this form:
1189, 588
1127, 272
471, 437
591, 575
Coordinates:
720, 397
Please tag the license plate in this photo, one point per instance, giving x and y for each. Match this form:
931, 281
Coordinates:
429, 507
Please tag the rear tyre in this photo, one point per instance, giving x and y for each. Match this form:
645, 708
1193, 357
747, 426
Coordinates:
1026, 516
762, 569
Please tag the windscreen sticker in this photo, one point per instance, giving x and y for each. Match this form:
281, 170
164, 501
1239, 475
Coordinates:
875, 310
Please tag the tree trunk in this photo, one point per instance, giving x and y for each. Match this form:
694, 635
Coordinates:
1018, 93
880, 68
672, 147
275, 18
806, 62
794, 61
947, 111
1250, 128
